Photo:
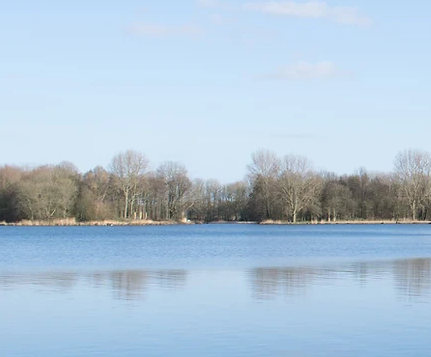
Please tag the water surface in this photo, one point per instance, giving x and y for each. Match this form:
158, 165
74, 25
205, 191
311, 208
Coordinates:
215, 290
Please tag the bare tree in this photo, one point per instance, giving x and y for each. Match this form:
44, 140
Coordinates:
336, 200
97, 196
234, 200
48, 192
263, 172
273, 189
383, 196
298, 184
129, 167
10, 177
178, 185
413, 170
264, 163
212, 201
213, 191
98, 181
155, 197
198, 196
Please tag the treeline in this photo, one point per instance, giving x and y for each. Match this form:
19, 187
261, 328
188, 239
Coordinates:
286, 189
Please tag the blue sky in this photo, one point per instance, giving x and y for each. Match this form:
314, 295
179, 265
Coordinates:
206, 83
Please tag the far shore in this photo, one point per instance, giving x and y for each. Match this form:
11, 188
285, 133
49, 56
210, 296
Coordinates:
358, 222
73, 223
114, 223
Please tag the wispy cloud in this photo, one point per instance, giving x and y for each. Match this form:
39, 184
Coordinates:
311, 9
307, 70
208, 3
160, 30
217, 4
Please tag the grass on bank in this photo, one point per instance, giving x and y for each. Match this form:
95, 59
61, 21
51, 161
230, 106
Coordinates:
70, 222
358, 222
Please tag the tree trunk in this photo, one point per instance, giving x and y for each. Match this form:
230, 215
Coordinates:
126, 204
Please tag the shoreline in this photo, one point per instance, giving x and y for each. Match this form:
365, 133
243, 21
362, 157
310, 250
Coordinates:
323, 223
143, 223
105, 223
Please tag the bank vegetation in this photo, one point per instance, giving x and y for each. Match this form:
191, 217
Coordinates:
276, 189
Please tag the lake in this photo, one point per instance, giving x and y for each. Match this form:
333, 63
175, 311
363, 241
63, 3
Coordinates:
216, 290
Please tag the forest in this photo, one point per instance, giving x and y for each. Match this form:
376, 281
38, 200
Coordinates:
275, 188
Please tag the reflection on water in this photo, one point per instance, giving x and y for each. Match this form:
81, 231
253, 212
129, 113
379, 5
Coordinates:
411, 277
269, 282
125, 285
335, 309
216, 291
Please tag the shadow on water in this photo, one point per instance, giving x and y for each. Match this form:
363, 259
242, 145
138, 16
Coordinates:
124, 284
411, 278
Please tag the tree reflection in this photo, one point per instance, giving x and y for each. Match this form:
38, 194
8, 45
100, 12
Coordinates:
129, 285
268, 282
411, 277
124, 284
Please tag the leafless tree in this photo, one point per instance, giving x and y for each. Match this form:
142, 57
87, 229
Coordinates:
413, 170
263, 172
10, 176
337, 200
273, 189
129, 167
234, 201
298, 184
155, 197
178, 185
48, 192
97, 196
198, 195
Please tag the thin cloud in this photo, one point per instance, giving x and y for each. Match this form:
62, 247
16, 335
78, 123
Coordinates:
216, 4
311, 9
208, 3
307, 70
158, 30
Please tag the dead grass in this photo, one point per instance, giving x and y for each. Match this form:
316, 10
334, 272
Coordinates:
71, 222
356, 222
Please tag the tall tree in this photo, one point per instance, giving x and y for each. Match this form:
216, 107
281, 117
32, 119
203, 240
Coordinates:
48, 192
336, 200
413, 170
155, 197
199, 198
96, 199
382, 195
178, 185
10, 177
234, 199
263, 172
129, 167
299, 185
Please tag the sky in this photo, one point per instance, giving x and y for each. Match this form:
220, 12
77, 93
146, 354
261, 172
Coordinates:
208, 82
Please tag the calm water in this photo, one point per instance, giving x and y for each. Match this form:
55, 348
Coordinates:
216, 290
